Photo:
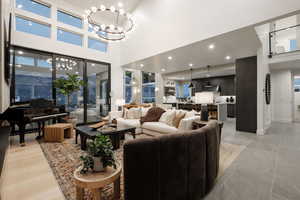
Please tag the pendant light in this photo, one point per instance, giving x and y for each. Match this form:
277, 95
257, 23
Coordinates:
191, 85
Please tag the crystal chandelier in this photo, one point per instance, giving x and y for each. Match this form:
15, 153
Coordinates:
116, 31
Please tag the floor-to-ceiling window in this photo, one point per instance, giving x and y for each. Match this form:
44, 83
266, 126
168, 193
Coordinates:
98, 91
33, 73
148, 87
128, 81
33, 76
64, 66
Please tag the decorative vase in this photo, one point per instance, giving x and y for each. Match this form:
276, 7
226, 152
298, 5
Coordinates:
98, 165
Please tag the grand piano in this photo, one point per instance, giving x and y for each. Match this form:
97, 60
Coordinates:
36, 111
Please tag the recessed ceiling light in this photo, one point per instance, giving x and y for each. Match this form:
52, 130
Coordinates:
191, 64
20, 6
93, 64
20, 52
141, 65
227, 57
120, 4
163, 69
211, 46
170, 57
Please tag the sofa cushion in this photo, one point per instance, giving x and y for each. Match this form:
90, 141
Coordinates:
159, 127
145, 111
153, 115
128, 123
180, 114
168, 117
190, 114
133, 113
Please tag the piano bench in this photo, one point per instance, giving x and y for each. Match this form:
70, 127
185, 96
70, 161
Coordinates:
57, 132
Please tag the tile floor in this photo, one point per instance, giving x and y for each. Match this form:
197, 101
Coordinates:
268, 168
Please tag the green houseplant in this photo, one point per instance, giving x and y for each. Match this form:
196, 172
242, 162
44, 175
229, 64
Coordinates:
67, 86
100, 154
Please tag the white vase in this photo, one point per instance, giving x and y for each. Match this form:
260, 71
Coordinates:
98, 165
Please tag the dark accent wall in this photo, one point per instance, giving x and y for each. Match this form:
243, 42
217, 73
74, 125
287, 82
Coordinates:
227, 84
246, 94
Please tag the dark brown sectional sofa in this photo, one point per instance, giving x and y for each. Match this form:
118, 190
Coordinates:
181, 166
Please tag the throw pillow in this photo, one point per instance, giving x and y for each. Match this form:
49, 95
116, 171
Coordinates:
168, 117
180, 114
190, 114
134, 113
153, 115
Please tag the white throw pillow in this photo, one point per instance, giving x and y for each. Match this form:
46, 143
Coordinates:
168, 117
190, 114
134, 113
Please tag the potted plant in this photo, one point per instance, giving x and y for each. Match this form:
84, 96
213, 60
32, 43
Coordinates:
67, 86
100, 154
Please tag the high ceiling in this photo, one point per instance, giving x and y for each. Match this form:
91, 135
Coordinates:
236, 44
128, 5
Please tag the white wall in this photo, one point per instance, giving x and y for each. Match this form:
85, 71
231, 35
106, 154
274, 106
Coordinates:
4, 88
52, 45
164, 25
282, 96
263, 110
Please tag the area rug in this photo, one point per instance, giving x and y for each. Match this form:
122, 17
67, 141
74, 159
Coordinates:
63, 159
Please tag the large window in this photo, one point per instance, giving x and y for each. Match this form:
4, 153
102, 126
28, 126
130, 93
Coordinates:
69, 37
69, 19
98, 87
34, 7
97, 45
128, 79
148, 87
32, 79
33, 73
297, 84
35, 28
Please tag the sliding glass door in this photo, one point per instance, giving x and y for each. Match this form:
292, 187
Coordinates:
33, 73
65, 66
98, 103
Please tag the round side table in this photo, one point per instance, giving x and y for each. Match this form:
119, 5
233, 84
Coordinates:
96, 181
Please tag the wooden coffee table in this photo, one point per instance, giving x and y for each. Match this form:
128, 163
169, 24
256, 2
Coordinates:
96, 181
86, 132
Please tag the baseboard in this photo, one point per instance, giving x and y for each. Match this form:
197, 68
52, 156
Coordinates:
263, 131
283, 120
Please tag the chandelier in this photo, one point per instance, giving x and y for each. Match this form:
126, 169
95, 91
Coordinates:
116, 31
64, 64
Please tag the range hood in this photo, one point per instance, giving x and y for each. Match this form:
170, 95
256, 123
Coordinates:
211, 88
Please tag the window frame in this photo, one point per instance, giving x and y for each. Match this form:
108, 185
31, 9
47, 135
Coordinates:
72, 15
38, 2
93, 38
147, 84
58, 28
128, 85
34, 21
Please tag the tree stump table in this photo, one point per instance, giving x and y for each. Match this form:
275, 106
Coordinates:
96, 181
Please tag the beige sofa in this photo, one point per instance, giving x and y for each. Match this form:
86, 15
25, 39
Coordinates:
154, 128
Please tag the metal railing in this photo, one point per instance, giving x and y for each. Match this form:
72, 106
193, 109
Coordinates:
284, 40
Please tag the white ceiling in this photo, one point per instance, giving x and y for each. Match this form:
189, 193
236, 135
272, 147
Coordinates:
128, 5
236, 44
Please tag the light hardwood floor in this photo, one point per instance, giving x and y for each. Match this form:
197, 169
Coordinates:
27, 174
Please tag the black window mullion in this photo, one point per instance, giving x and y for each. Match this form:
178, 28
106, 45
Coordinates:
53, 78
